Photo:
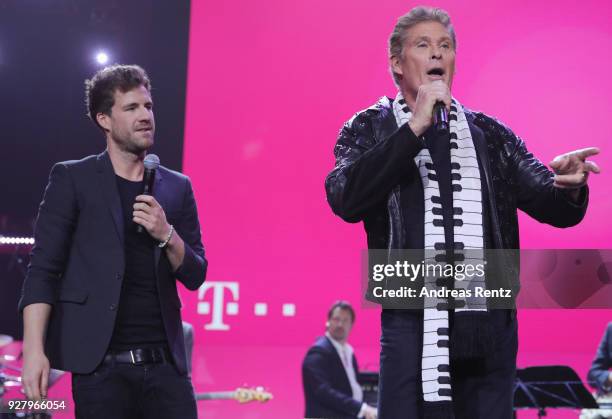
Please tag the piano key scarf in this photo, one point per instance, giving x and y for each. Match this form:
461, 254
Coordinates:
471, 335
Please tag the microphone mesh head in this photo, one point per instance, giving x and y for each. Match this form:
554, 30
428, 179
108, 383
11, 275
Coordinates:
151, 162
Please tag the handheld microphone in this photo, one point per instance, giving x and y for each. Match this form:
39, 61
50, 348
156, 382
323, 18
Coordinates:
151, 163
440, 118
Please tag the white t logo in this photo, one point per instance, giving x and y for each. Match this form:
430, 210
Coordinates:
218, 303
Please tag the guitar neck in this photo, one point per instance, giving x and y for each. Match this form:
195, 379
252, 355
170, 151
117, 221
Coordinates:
216, 395
241, 395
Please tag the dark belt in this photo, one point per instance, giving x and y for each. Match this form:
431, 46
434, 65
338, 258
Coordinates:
139, 356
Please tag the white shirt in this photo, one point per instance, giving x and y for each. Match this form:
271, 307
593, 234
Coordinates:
345, 352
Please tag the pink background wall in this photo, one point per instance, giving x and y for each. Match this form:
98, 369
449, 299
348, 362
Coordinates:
270, 84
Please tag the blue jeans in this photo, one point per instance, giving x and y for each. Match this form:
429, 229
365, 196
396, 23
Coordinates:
482, 388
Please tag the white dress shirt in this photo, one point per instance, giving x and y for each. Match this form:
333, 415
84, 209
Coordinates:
345, 352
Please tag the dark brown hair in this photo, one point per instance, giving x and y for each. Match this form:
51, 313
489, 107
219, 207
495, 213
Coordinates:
343, 305
100, 89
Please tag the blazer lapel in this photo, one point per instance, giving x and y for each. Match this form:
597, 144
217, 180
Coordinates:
338, 360
160, 196
108, 184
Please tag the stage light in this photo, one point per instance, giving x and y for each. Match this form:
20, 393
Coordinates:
16, 240
102, 57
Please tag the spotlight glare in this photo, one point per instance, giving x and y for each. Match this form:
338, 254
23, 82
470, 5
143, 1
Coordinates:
102, 58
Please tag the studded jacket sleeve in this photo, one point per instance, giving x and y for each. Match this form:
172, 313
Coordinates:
367, 169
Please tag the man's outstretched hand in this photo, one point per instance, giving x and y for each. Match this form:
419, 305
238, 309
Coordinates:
572, 169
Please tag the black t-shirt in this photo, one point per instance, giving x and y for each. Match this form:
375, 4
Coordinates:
139, 320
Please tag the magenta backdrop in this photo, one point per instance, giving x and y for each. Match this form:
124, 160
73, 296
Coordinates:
269, 85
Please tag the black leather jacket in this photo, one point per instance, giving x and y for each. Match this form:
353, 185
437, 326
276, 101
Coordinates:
375, 161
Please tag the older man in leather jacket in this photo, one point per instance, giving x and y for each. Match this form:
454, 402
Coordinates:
377, 179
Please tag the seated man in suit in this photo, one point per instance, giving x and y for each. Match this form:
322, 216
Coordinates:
329, 371
600, 375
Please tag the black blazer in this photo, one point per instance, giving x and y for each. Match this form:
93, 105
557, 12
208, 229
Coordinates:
327, 390
77, 262
600, 369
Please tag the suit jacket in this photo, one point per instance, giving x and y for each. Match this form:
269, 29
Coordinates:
327, 390
598, 374
77, 263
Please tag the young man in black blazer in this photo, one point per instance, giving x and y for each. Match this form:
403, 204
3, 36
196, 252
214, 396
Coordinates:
100, 297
